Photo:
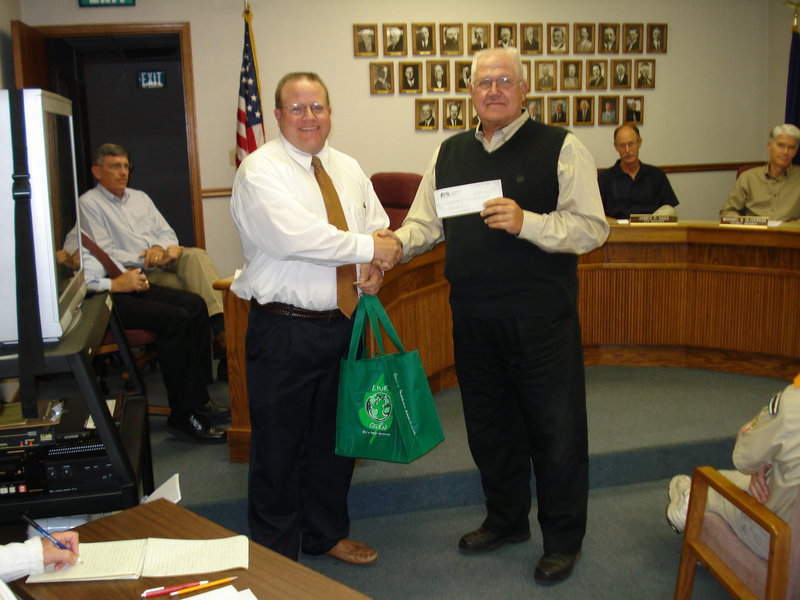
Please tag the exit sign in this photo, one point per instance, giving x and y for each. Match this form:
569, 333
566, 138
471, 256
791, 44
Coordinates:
151, 80
93, 3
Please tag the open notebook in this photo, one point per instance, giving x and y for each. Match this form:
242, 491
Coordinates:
151, 557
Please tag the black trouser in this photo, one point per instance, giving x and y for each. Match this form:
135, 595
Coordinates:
180, 319
522, 386
298, 486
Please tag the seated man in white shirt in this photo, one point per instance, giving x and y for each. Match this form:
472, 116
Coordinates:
126, 224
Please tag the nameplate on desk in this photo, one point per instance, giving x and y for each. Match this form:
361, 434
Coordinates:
653, 219
737, 221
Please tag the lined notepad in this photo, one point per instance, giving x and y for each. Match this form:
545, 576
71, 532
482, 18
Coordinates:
151, 557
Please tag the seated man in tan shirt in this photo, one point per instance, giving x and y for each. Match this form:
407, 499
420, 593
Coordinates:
772, 190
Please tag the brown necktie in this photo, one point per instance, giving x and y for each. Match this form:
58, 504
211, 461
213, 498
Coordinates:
346, 294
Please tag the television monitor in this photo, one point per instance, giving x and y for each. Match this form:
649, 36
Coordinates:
50, 146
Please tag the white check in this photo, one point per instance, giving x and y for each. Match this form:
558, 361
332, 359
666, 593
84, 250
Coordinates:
466, 199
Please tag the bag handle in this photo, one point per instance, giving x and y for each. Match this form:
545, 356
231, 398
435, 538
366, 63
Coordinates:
376, 312
358, 331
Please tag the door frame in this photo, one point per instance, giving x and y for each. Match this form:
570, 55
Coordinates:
30, 70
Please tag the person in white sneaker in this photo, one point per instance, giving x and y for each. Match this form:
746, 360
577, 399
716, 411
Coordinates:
767, 459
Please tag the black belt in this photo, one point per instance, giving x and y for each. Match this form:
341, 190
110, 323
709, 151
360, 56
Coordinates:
295, 312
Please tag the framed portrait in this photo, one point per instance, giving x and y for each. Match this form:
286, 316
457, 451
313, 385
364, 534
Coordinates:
463, 73
546, 75
535, 106
596, 74
531, 34
505, 35
380, 78
634, 109
608, 110
558, 110
438, 75
620, 74
571, 75
557, 38
657, 38
451, 38
526, 72
365, 40
426, 113
454, 111
410, 74
394, 39
473, 115
608, 36
583, 110
583, 36
632, 38
479, 36
646, 73
424, 38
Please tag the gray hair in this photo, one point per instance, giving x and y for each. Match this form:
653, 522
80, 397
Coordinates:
513, 55
785, 129
103, 150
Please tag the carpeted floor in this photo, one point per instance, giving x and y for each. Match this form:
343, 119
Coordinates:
645, 424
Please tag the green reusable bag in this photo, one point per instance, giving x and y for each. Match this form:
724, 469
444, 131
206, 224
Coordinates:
385, 410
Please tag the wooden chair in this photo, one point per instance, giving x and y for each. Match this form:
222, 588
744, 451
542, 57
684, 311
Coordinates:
709, 540
396, 192
747, 167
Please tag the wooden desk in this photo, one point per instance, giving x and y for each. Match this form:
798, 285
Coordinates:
688, 295
270, 575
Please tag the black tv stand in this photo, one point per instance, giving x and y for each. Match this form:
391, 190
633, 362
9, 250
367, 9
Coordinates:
127, 447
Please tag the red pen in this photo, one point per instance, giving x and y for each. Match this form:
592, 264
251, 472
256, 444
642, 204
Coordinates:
161, 591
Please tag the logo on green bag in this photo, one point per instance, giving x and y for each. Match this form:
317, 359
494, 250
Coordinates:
376, 413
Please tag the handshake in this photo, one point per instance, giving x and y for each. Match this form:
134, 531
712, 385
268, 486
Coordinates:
388, 249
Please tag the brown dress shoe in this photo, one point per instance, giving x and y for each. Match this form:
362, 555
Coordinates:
355, 553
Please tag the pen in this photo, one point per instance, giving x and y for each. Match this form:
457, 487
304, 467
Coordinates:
45, 533
201, 587
160, 591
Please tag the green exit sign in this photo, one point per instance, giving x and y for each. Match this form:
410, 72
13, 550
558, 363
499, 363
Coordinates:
94, 3
151, 80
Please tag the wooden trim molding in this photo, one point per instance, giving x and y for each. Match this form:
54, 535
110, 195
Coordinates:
689, 295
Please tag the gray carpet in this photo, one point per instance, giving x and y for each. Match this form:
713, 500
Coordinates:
645, 425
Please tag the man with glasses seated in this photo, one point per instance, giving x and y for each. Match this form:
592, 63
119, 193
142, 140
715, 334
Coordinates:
512, 269
126, 224
308, 220
631, 187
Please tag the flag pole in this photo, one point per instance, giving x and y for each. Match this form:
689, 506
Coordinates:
248, 16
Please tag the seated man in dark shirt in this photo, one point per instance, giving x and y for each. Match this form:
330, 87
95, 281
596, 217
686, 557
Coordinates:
631, 187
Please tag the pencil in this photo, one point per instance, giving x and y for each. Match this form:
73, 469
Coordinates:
202, 587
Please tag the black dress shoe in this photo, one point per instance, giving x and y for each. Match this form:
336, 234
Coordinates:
214, 411
553, 568
482, 540
196, 428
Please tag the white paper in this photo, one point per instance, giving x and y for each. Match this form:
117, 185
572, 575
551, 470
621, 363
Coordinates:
152, 557
466, 199
166, 557
169, 490
224, 593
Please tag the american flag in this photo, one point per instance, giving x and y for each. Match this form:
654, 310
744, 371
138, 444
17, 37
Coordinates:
249, 116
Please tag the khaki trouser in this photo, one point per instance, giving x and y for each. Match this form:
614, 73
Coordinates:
193, 272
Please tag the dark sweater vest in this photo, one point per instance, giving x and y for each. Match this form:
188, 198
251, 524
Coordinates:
494, 274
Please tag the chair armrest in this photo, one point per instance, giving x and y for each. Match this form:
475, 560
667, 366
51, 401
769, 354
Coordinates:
778, 530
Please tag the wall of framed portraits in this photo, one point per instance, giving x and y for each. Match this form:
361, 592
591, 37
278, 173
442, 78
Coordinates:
717, 88
602, 77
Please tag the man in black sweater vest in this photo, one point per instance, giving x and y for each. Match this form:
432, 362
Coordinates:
513, 274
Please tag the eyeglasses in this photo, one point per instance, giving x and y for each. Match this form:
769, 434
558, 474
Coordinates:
502, 83
119, 167
299, 109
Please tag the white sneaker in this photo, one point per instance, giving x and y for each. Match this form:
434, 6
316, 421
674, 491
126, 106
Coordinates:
679, 488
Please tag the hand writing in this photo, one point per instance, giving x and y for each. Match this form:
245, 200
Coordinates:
503, 213
388, 249
57, 556
370, 279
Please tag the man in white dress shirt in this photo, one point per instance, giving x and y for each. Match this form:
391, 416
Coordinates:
297, 331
